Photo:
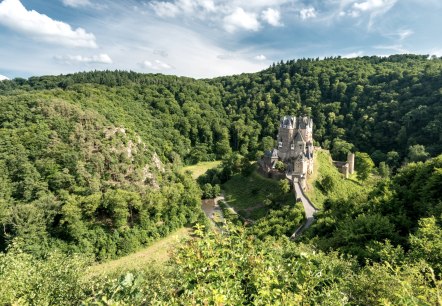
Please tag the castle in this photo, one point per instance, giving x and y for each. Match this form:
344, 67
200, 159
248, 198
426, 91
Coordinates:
294, 148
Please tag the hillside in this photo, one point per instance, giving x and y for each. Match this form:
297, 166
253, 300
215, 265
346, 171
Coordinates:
76, 177
91, 170
337, 187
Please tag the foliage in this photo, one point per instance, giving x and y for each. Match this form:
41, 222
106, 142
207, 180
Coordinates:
280, 166
335, 185
409, 203
88, 160
254, 195
71, 179
210, 192
384, 170
363, 165
54, 279
417, 153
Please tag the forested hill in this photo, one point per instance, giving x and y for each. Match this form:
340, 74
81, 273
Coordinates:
378, 105
89, 169
87, 160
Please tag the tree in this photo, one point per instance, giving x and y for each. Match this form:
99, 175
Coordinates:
363, 165
284, 186
417, 153
384, 170
280, 166
327, 183
267, 143
340, 149
393, 159
427, 242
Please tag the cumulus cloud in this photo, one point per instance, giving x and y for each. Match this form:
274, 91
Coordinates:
307, 13
272, 17
77, 3
260, 57
241, 19
156, 65
165, 9
374, 6
172, 9
15, 16
76, 59
2, 77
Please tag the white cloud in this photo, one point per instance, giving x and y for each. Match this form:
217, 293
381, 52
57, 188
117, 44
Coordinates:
75, 59
156, 65
353, 54
77, 3
370, 5
307, 13
189, 7
2, 77
15, 16
392, 48
403, 34
165, 9
260, 57
256, 4
207, 5
240, 19
376, 7
272, 17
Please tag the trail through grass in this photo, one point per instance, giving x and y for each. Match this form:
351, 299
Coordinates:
157, 253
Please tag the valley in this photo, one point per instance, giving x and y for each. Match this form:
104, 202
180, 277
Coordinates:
103, 173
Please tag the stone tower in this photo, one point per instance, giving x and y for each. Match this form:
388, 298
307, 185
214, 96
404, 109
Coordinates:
286, 134
295, 144
351, 162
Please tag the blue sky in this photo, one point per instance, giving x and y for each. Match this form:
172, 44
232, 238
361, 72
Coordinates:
206, 38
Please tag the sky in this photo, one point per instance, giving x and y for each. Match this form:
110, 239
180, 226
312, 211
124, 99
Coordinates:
206, 38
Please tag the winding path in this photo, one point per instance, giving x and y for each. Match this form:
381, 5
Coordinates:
309, 210
212, 209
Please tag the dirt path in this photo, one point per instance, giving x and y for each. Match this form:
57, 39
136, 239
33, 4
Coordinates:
212, 209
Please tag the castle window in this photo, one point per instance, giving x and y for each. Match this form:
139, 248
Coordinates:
292, 147
280, 144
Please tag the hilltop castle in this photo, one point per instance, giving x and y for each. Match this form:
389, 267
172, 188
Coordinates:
294, 148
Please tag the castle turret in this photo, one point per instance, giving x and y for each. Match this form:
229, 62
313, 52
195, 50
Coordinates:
351, 162
286, 133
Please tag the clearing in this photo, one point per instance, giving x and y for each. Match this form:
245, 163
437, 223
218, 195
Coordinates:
201, 168
156, 253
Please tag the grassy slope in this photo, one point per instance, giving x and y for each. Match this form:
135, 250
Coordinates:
246, 194
201, 168
158, 252
343, 187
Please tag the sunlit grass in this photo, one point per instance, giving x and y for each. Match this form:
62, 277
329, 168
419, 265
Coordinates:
343, 188
247, 194
157, 253
201, 168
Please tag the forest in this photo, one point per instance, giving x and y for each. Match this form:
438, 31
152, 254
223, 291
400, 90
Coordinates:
90, 171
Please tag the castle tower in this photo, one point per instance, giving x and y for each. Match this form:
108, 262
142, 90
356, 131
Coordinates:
287, 129
351, 162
